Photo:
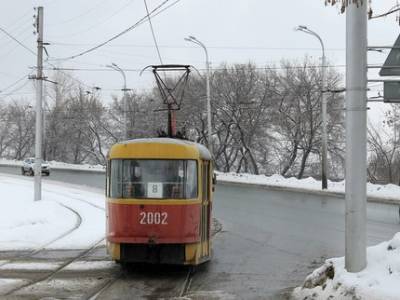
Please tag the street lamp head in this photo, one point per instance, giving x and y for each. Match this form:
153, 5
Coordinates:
301, 28
192, 37
188, 39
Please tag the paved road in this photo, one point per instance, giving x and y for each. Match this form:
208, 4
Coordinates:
269, 242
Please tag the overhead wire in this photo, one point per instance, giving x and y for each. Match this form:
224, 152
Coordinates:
141, 21
16, 82
17, 41
97, 24
394, 9
80, 15
152, 32
34, 53
216, 69
14, 90
195, 47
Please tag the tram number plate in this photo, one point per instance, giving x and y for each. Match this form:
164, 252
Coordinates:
148, 218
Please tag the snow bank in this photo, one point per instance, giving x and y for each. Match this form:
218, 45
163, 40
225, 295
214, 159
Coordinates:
380, 280
25, 224
58, 165
388, 191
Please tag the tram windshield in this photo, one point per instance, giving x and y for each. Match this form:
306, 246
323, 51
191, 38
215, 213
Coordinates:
146, 178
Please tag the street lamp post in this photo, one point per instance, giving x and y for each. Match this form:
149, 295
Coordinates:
324, 162
115, 67
209, 136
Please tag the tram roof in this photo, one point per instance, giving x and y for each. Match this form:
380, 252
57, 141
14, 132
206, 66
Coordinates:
159, 148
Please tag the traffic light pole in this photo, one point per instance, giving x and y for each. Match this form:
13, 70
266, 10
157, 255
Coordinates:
356, 136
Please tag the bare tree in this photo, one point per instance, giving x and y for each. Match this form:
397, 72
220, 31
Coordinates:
21, 133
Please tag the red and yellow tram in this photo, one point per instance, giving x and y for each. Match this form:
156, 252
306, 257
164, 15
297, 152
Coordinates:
159, 201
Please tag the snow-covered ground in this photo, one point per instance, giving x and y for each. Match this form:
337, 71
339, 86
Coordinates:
66, 218
36, 224
379, 281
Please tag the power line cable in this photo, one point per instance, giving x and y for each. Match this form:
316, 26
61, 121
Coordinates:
16, 82
97, 24
14, 90
141, 21
32, 52
195, 47
80, 15
16, 33
11, 50
216, 69
14, 39
152, 32
391, 11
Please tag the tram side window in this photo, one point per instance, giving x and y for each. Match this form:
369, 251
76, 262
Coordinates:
108, 179
191, 179
115, 179
205, 182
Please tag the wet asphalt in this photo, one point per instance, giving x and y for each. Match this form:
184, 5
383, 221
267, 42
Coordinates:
270, 240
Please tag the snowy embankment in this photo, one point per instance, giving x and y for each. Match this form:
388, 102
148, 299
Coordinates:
59, 165
380, 280
66, 218
388, 193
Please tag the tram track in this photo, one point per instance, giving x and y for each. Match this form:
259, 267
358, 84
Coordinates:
60, 268
63, 264
61, 236
187, 282
48, 243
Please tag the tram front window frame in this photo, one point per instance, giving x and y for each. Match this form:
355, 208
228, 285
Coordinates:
153, 178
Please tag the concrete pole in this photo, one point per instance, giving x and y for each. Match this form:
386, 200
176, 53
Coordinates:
44, 120
324, 164
324, 144
125, 109
39, 95
208, 92
356, 136
210, 144
125, 100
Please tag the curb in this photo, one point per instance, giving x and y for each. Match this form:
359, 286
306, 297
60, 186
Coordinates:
371, 199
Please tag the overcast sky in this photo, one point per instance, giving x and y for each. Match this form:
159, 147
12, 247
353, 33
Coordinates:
234, 31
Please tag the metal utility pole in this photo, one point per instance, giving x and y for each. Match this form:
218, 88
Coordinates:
39, 95
209, 128
356, 136
324, 146
115, 67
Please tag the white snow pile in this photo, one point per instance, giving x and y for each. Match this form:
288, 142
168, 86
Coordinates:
379, 280
58, 165
388, 191
66, 217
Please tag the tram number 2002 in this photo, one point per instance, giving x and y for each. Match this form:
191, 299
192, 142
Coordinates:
147, 218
